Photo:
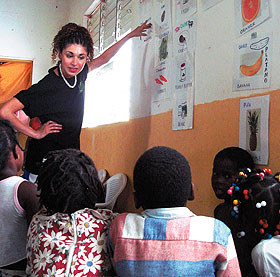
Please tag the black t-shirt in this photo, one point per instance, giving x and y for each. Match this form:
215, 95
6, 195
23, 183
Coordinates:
52, 99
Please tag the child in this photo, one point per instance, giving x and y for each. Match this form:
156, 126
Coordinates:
227, 165
257, 204
167, 239
58, 99
18, 204
68, 236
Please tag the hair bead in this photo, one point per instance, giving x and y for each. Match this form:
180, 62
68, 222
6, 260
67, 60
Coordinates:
263, 203
261, 175
235, 202
267, 170
240, 234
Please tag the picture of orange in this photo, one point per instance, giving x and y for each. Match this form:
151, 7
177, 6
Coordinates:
250, 9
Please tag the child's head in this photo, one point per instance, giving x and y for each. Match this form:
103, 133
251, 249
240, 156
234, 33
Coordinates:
162, 179
9, 143
72, 33
68, 181
227, 164
256, 203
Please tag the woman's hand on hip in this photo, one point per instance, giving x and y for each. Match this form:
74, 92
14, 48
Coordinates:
48, 128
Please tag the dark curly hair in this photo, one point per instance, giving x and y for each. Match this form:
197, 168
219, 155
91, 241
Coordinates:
8, 142
68, 181
69, 34
256, 204
238, 156
162, 178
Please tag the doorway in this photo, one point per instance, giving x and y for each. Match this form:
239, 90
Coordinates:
15, 75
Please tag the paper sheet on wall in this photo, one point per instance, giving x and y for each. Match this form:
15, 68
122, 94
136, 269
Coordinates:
207, 4
252, 61
145, 12
253, 127
163, 42
249, 14
184, 49
161, 78
185, 9
184, 36
183, 70
162, 19
182, 117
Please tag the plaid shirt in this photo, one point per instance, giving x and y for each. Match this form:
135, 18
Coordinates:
171, 242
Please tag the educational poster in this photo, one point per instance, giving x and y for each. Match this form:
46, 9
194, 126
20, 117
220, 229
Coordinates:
161, 81
163, 42
253, 127
249, 14
183, 51
163, 18
183, 110
185, 9
207, 4
183, 71
252, 59
146, 13
184, 36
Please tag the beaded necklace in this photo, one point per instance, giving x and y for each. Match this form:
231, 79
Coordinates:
75, 82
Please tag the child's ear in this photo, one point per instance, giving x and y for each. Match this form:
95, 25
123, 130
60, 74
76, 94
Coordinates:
137, 202
15, 154
191, 196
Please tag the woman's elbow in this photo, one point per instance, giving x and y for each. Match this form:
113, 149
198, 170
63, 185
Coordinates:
3, 113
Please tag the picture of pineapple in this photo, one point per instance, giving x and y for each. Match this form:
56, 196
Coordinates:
253, 122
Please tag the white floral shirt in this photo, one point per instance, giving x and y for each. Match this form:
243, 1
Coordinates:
58, 244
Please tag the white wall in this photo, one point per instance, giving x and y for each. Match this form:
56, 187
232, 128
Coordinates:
214, 57
28, 28
78, 9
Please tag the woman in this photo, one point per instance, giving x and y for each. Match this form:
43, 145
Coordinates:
58, 99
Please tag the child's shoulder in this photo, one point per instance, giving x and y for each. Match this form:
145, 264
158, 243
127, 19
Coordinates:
223, 211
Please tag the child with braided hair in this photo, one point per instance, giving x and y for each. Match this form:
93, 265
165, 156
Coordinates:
227, 164
256, 203
18, 203
68, 235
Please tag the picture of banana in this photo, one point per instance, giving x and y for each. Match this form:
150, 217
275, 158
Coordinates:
250, 70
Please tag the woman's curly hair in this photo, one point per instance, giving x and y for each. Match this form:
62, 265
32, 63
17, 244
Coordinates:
69, 34
68, 181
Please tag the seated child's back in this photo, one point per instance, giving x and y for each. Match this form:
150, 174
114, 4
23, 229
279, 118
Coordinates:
68, 236
167, 239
